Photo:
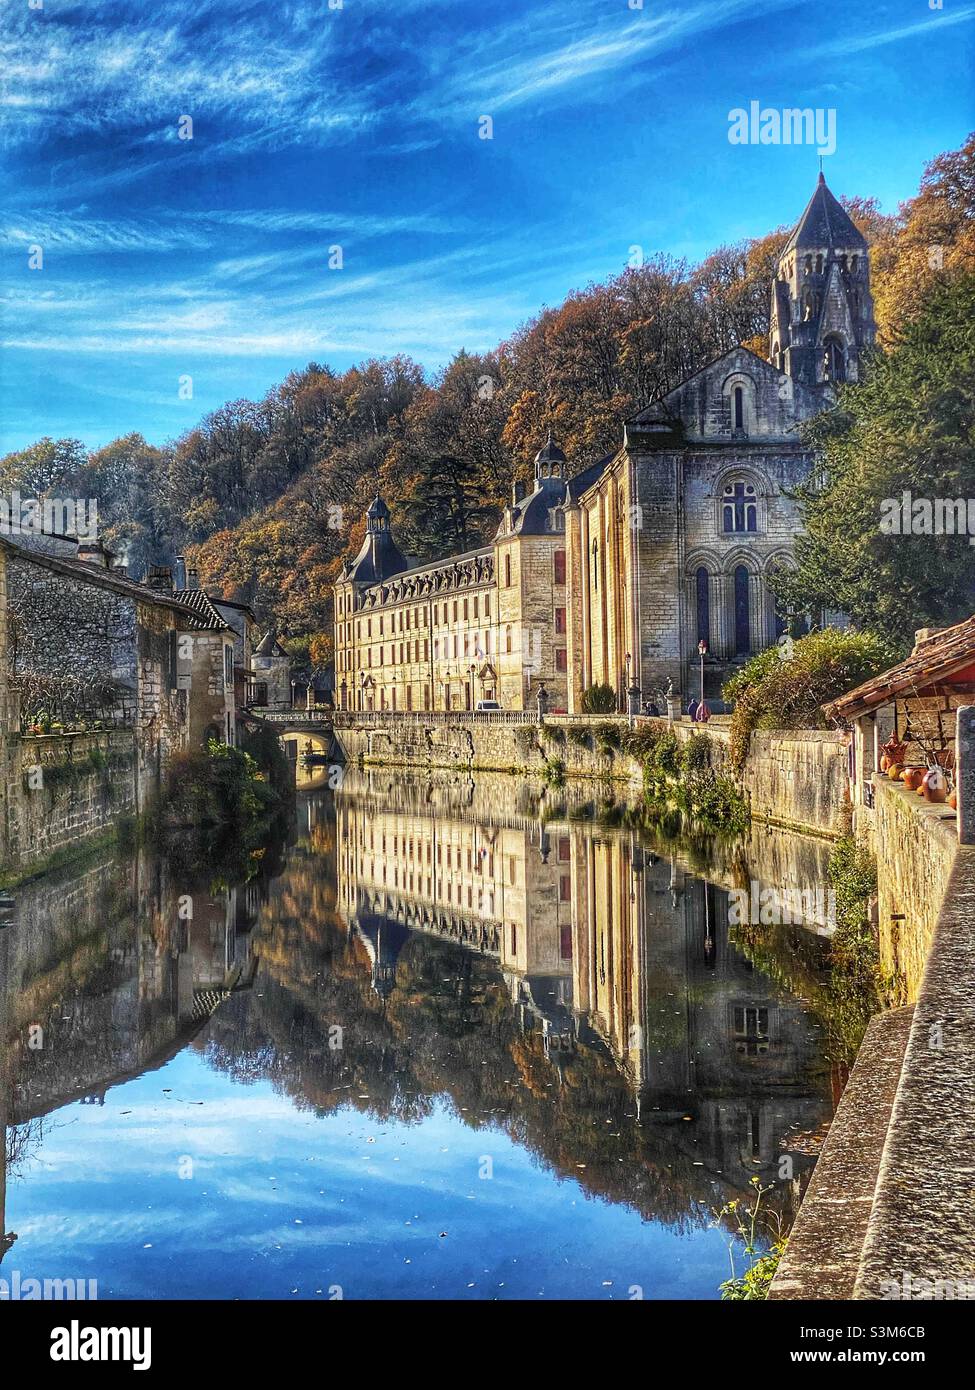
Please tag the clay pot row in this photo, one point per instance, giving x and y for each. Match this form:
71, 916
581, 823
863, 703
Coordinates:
929, 782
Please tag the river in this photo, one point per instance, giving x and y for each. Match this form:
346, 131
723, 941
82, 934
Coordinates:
446, 1039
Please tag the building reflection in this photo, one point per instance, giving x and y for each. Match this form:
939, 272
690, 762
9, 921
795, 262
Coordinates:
601, 943
561, 979
107, 973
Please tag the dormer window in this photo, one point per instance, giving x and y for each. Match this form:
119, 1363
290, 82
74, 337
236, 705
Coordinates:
739, 507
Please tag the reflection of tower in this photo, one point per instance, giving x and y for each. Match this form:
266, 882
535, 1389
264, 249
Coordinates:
384, 939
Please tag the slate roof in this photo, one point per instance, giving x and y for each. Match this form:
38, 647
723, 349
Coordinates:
100, 578
825, 223
935, 658
269, 645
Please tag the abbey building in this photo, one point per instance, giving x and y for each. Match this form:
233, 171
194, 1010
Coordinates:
614, 575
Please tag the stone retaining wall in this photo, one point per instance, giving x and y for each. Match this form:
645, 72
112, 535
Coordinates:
797, 780
916, 845
62, 790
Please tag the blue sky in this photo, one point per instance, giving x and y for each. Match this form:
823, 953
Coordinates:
358, 127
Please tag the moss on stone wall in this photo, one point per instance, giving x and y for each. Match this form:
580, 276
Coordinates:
679, 776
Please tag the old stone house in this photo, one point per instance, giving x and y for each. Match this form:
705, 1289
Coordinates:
84, 648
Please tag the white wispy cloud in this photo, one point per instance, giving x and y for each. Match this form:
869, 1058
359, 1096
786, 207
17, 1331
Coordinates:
860, 43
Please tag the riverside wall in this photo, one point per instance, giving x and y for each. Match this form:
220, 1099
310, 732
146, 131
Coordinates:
61, 791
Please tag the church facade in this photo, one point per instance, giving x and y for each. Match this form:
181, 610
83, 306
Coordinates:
616, 575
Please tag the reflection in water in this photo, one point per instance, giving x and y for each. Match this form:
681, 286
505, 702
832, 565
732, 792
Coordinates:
464, 1043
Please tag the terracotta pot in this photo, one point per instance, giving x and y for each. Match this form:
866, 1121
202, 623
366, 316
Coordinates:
894, 771
884, 762
953, 800
934, 787
913, 777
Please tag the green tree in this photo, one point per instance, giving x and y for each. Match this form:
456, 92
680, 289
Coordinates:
908, 427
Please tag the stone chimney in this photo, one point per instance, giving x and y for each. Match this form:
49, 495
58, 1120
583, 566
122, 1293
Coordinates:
517, 493
93, 553
192, 579
179, 573
160, 578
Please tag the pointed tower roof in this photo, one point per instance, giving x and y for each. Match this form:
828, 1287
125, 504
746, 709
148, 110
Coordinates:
379, 556
825, 222
269, 645
378, 511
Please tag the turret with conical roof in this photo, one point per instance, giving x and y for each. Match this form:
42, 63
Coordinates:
541, 512
822, 310
379, 556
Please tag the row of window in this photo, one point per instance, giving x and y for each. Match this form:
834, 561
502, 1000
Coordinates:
403, 619
815, 264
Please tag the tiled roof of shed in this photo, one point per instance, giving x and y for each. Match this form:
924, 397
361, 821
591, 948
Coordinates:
934, 658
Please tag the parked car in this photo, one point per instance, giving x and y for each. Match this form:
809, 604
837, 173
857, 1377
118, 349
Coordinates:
483, 705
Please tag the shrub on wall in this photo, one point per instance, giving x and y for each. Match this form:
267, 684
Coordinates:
216, 785
680, 775
599, 699
776, 690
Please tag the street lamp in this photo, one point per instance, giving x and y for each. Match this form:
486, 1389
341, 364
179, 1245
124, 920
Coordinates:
702, 649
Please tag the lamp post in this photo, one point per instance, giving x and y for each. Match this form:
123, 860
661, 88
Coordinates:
702, 648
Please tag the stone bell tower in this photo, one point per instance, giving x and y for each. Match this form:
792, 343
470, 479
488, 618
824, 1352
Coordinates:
822, 309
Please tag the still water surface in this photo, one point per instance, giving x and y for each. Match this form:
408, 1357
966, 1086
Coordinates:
453, 1040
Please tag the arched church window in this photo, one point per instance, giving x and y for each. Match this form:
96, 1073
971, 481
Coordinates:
739, 400
507, 638
743, 644
855, 263
819, 264
702, 582
809, 265
834, 360
595, 565
739, 507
